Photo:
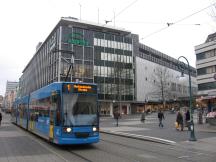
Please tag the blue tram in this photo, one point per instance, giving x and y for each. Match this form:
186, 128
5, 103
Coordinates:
62, 112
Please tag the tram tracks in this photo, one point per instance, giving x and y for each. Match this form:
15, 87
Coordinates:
103, 148
100, 156
80, 156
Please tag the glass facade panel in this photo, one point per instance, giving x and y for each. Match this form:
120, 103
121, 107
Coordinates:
88, 37
88, 53
99, 42
95, 70
109, 44
109, 72
99, 35
102, 71
95, 42
78, 69
105, 43
115, 59
66, 31
104, 57
78, 52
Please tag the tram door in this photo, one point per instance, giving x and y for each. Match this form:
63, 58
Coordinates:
52, 111
51, 129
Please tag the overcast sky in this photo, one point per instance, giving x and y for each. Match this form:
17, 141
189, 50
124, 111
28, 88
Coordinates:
24, 23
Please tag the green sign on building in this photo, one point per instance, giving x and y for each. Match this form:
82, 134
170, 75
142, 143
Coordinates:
77, 39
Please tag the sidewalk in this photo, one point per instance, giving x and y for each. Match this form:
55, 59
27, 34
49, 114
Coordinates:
16, 146
130, 126
205, 127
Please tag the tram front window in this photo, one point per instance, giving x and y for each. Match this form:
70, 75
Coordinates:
79, 109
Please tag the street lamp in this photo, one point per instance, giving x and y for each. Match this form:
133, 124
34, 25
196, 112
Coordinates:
182, 67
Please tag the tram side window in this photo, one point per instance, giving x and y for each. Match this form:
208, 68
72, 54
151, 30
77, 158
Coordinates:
43, 107
20, 110
25, 107
40, 108
31, 110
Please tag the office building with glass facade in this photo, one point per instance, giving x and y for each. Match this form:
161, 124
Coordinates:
98, 54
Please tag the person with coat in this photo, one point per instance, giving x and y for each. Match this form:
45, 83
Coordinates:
0, 118
160, 118
179, 120
187, 119
116, 116
143, 117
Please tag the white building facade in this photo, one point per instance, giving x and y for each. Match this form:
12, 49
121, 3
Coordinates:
153, 66
146, 85
206, 66
10, 95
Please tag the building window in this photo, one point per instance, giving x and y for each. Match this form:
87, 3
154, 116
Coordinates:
78, 52
205, 55
207, 86
88, 54
206, 70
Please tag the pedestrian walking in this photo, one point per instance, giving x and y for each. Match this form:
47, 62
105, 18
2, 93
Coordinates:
179, 120
160, 118
0, 118
200, 116
143, 117
116, 116
187, 119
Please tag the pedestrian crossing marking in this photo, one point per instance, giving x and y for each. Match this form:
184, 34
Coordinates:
147, 118
135, 122
123, 129
149, 138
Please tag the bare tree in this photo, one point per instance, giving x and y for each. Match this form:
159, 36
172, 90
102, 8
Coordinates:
161, 80
212, 12
119, 81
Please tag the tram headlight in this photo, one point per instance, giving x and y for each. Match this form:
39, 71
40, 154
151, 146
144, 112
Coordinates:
94, 129
68, 130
